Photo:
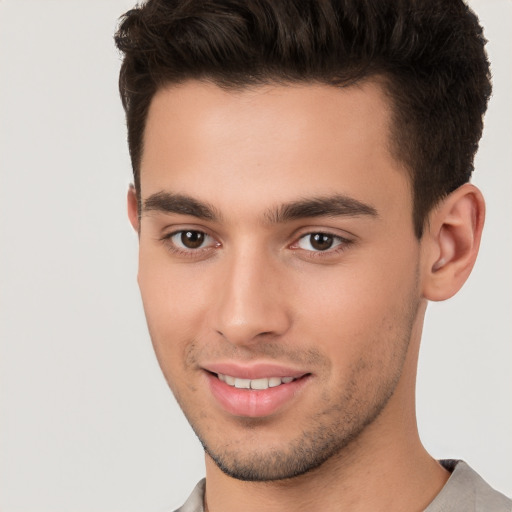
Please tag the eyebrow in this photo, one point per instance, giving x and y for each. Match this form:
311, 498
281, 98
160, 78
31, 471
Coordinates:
167, 202
325, 206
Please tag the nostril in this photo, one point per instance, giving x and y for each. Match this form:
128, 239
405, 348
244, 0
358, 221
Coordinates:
236, 334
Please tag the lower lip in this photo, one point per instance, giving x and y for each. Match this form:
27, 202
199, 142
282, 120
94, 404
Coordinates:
254, 403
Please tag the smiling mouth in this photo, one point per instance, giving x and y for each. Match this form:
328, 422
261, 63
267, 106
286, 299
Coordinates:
256, 384
257, 397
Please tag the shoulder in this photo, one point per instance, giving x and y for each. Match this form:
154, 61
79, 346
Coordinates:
195, 500
466, 490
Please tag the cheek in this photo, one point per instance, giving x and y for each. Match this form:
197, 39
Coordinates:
174, 305
364, 310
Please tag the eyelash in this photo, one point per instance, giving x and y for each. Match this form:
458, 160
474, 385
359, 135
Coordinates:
187, 252
341, 244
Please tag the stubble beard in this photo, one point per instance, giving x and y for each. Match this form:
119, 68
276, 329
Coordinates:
322, 441
327, 433
326, 437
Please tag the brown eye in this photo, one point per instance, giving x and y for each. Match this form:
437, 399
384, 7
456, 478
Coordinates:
316, 242
192, 239
321, 241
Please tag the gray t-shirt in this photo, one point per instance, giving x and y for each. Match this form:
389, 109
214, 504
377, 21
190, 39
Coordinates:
465, 491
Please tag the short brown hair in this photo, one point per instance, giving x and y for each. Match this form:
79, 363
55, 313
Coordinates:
430, 54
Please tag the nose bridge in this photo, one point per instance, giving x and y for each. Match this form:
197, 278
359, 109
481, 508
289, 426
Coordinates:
250, 301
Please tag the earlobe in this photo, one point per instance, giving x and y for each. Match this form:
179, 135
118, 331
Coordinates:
133, 210
451, 242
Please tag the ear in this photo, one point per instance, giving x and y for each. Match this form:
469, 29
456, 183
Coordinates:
451, 241
133, 209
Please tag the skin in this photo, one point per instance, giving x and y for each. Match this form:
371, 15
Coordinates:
257, 290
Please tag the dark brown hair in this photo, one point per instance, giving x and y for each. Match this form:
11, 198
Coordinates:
429, 54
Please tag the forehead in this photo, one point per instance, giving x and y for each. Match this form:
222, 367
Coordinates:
276, 142
205, 113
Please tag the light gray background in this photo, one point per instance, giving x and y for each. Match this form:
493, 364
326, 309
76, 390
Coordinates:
86, 420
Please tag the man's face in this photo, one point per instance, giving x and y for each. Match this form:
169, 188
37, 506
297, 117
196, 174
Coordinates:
277, 253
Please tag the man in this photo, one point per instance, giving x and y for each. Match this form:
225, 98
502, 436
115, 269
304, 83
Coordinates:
301, 191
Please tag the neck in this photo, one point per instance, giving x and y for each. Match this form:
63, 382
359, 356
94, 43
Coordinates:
385, 468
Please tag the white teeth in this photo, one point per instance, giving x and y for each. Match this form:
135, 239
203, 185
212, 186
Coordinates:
243, 383
263, 383
259, 384
273, 382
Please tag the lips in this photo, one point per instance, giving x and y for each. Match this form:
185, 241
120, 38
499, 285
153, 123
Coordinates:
254, 391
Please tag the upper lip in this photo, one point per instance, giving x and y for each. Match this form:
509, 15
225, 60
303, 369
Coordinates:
254, 370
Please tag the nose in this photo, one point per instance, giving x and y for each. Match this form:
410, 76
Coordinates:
252, 301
